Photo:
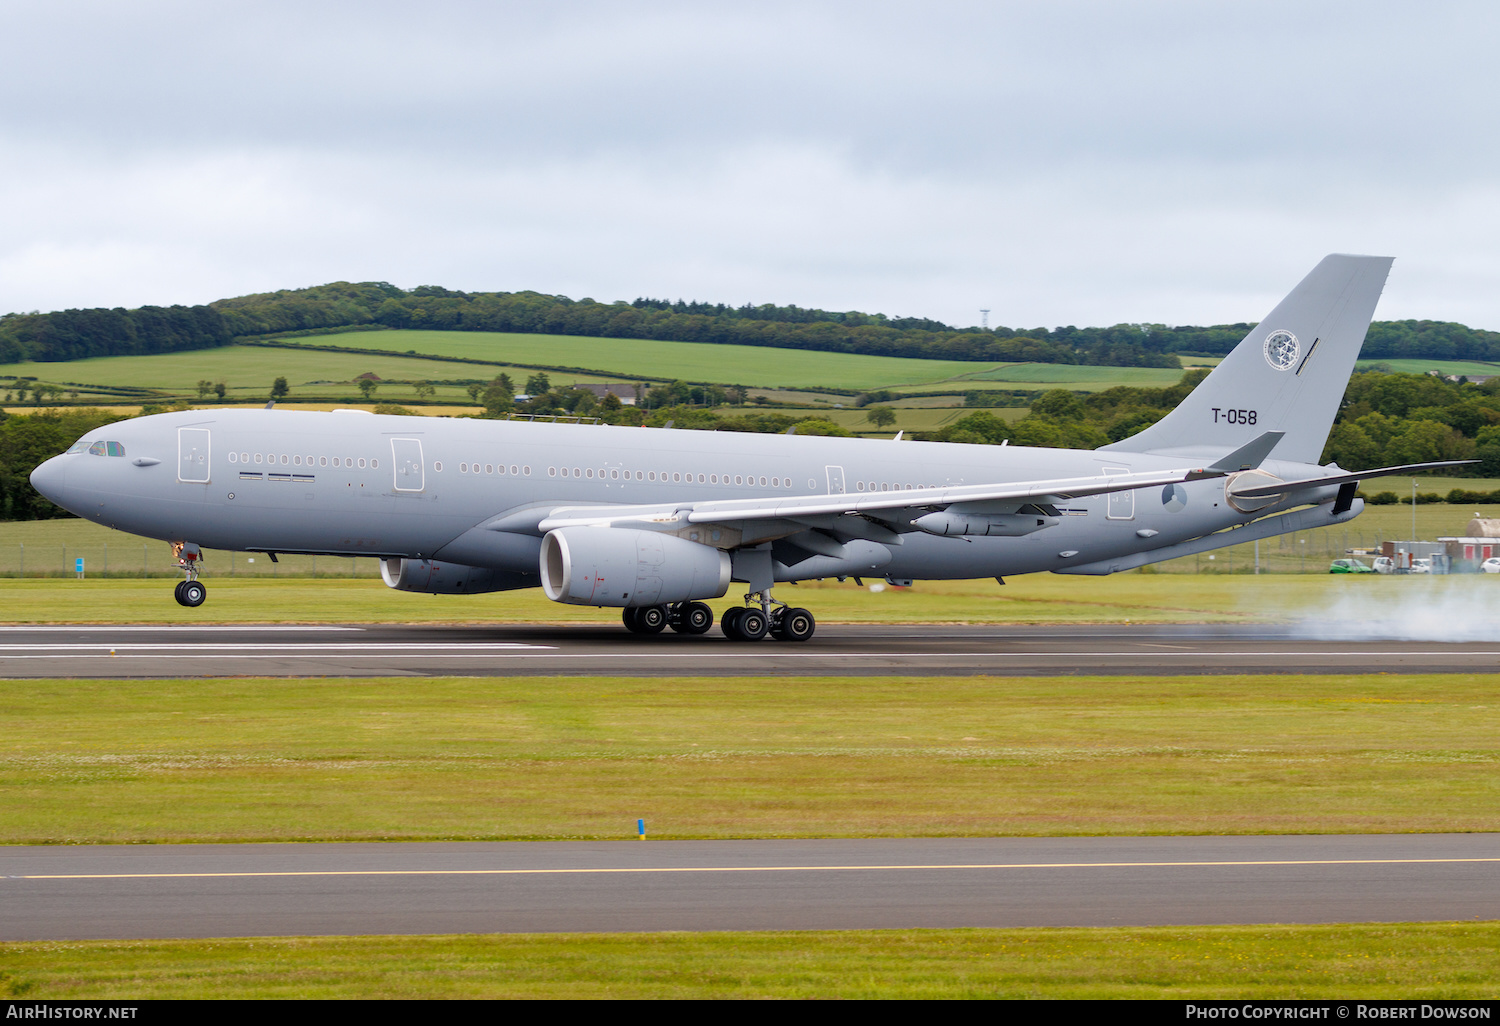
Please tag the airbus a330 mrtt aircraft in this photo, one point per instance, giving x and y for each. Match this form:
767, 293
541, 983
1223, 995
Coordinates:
654, 521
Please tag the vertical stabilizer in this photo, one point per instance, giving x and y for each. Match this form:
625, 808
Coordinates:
1288, 375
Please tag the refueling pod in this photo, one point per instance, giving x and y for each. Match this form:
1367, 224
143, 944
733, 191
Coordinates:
613, 566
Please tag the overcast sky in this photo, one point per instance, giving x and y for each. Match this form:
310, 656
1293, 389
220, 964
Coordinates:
1059, 163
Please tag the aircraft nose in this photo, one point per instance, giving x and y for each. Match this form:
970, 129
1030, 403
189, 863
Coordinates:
50, 479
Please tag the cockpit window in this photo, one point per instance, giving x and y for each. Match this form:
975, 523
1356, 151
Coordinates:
101, 449
115, 448
97, 449
78, 446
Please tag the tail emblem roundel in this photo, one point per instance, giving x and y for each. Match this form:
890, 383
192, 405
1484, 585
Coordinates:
1281, 349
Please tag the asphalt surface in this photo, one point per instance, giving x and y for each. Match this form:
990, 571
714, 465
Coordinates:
310, 889
384, 650
302, 889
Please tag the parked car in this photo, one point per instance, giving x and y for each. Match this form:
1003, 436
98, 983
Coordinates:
1348, 566
1491, 565
1422, 565
1384, 565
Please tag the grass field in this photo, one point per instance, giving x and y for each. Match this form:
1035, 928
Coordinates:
1073, 377
250, 370
255, 367
690, 361
1445, 367
1407, 961
515, 758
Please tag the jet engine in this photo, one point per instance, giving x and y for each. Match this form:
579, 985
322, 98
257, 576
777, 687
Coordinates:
611, 566
436, 578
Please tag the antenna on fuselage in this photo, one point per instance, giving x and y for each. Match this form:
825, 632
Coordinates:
270, 404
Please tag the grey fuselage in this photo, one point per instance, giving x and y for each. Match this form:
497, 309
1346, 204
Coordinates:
472, 492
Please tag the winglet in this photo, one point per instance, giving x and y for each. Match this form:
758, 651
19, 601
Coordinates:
1248, 456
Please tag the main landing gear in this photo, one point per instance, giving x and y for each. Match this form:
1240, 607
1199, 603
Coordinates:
190, 592
752, 622
682, 617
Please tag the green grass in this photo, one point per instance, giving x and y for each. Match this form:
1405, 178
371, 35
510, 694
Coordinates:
1044, 376
514, 758
1344, 962
690, 361
1162, 597
1445, 367
250, 370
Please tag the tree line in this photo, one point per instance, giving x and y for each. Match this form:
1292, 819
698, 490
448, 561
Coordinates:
76, 334
1384, 420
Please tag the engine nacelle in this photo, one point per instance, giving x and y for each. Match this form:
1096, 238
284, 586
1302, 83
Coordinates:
437, 578
611, 566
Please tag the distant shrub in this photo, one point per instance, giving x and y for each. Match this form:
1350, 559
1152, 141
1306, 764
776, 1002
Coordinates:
1385, 499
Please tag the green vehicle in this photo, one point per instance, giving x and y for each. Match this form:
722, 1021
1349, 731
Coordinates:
1348, 566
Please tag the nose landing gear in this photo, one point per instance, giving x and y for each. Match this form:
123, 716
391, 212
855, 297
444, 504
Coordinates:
190, 592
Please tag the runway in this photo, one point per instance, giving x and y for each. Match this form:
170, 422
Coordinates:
384, 650
310, 889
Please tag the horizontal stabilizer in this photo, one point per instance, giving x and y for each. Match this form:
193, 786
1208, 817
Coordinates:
1335, 479
1250, 455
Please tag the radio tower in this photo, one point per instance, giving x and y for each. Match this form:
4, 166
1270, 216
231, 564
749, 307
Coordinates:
984, 319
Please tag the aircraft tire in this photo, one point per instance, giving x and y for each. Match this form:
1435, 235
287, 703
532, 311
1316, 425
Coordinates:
177, 593
193, 593
752, 625
729, 623
650, 619
795, 625
693, 618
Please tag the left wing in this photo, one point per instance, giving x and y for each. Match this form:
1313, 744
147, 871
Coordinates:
895, 511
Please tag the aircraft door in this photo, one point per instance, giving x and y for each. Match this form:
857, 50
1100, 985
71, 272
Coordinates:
1121, 505
406, 458
192, 455
835, 480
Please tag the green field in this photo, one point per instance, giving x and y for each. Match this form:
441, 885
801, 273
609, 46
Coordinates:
515, 758
1070, 376
1342, 962
689, 361
1445, 367
249, 370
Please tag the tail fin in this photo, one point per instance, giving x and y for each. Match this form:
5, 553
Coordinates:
1289, 373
